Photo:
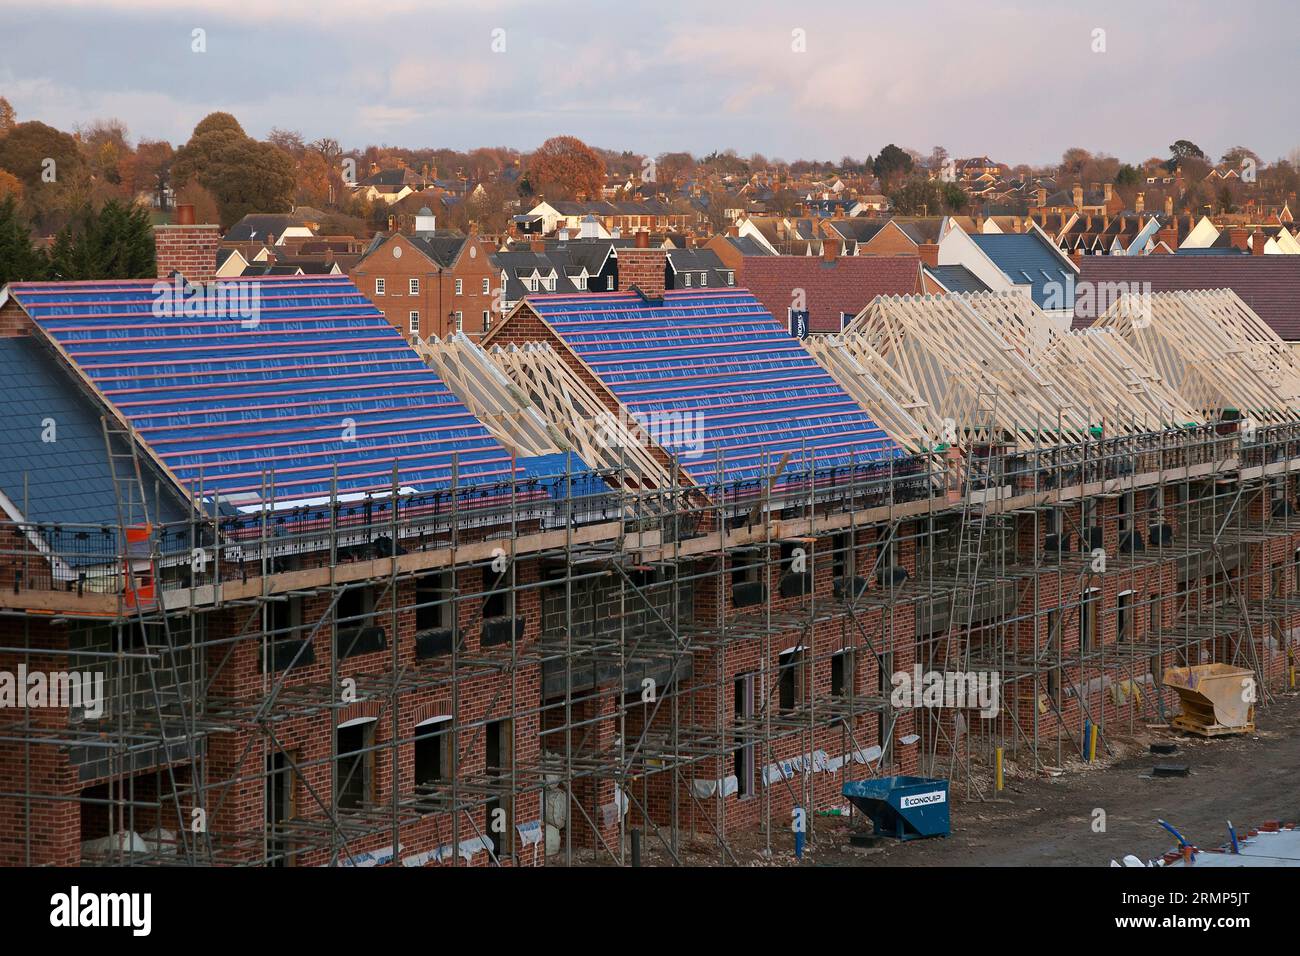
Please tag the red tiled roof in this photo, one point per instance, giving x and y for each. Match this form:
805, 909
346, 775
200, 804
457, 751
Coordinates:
830, 288
1270, 285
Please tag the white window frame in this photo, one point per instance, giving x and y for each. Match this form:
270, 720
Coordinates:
380, 286
413, 287
413, 321
460, 286
460, 321
487, 286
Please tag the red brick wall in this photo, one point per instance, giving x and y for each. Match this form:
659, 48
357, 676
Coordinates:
437, 301
189, 250
14, 321
643, 268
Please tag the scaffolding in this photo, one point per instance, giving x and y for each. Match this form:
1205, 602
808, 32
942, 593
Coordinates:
526, 672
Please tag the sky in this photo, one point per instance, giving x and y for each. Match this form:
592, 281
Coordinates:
1020, 82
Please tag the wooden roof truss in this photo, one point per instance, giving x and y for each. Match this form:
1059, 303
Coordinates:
953, 355
1211, 348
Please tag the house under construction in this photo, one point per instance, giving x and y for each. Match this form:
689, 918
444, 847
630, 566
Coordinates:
640, 560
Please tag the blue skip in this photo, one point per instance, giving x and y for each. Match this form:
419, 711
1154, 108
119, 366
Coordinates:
908, 808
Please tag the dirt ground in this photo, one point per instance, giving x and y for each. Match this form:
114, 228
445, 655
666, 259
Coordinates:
1047, 820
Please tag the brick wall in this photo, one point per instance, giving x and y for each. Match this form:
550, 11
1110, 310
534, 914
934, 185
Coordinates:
435, 299
644, 269
189, 250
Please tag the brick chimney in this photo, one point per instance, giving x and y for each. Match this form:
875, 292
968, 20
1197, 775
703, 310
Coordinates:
537, 245
1169, 205
1139, 203
830, 250
186, 247
1078, 196
929, 253
1168, 234
1109, 190
642, 240
1257, 242
644, 269
1042, 196
1237, 236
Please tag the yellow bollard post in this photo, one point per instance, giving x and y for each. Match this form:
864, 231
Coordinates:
1092, 744
1293, 678
997, 764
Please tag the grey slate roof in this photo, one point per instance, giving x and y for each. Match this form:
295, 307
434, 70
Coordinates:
957, 278
1026, 259
699, 262
68, 481
257, 226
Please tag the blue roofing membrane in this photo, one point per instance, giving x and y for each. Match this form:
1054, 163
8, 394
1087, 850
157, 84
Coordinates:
316, 379
1027, 260
713, 374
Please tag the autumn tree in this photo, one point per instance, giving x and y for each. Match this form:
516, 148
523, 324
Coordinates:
289, 140
7, 116
48, 163
152, 169
564, 167
1073, 160
312, 179
10, 185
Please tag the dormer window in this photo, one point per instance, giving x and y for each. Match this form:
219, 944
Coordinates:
686, 280
704, 279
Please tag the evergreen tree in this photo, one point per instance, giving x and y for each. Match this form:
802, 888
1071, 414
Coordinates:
115, 243
20, 261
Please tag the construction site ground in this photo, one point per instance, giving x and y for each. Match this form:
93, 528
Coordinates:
1048, 819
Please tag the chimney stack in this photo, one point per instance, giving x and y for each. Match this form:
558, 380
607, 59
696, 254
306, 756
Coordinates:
1078, 196
537, 245
1109, 190
1042, 196
643, 268
929, 253
1257, 242
642, 239
733, 231
1237, 236
830, 250
1140, 202
186, 247
1169, 205
1168, 234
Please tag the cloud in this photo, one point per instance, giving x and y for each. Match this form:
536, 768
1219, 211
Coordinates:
1012, 78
